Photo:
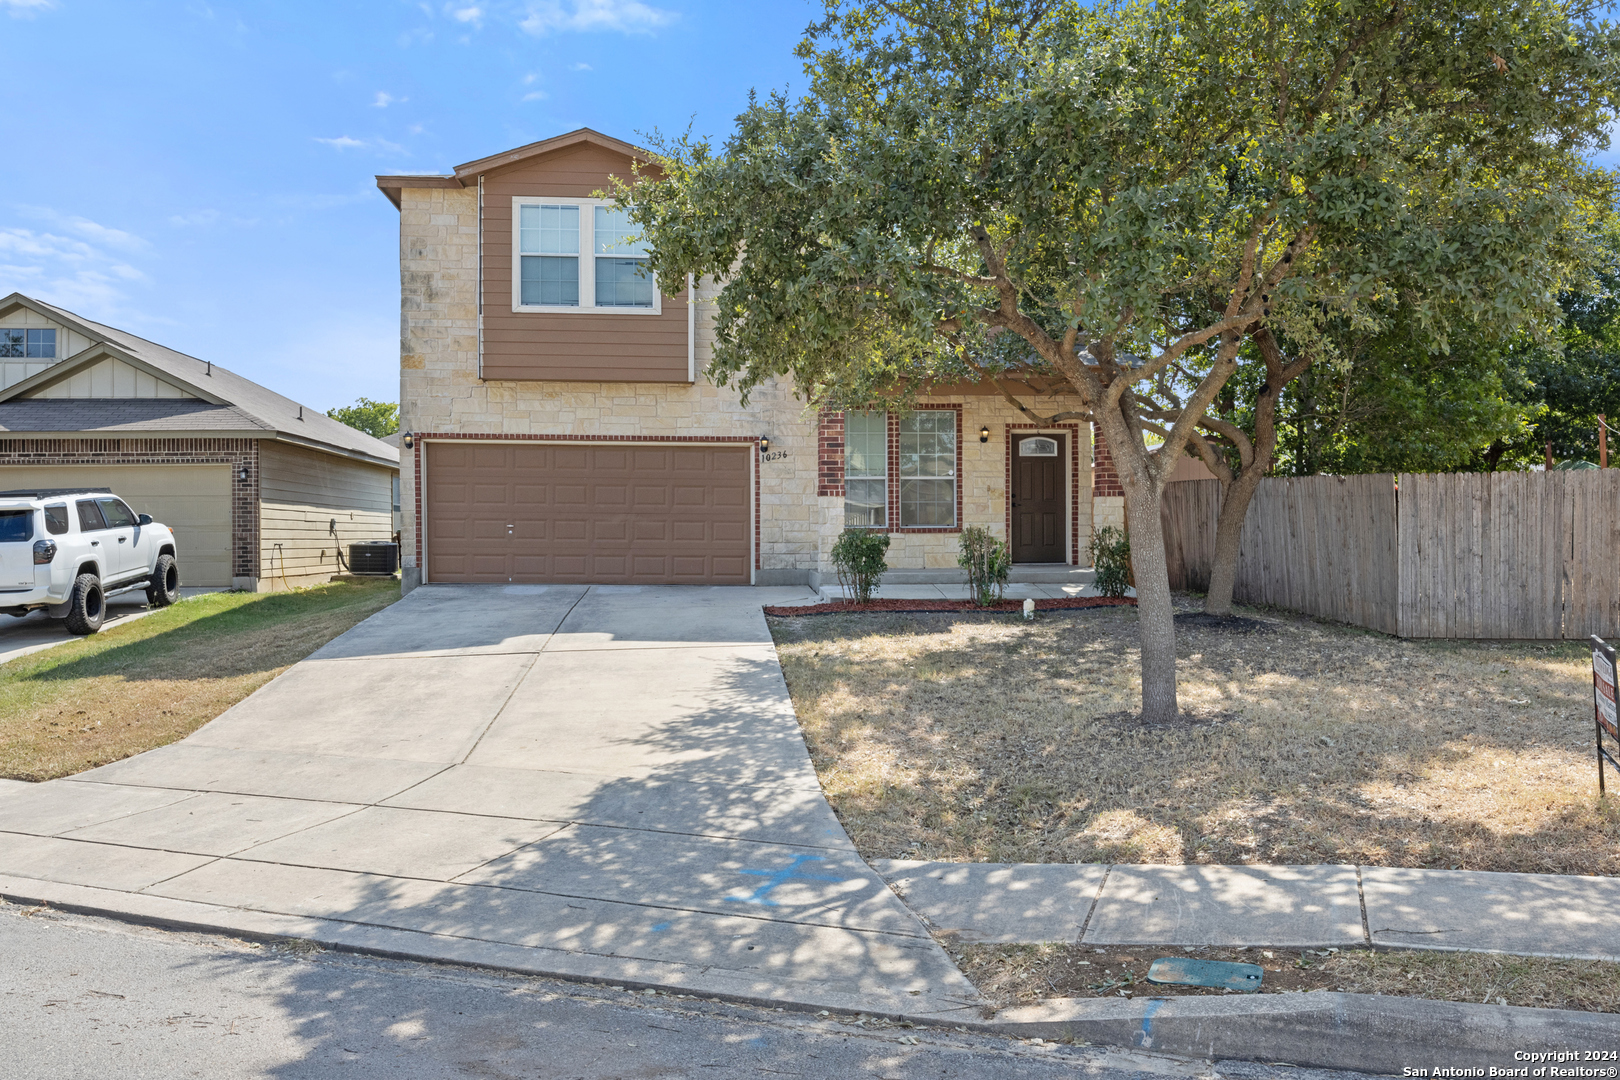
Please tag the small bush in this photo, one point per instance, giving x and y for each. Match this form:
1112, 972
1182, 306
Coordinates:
987, 562
1111, 556
858, 558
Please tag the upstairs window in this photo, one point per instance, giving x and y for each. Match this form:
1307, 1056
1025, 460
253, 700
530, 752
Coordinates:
548, 238
579, 255
28, 343
621, 261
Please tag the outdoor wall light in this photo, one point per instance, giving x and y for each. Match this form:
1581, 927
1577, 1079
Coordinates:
984, 433
409, 440
764, 444
243, 475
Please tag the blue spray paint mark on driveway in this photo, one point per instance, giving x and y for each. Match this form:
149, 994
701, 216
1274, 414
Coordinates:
788, 873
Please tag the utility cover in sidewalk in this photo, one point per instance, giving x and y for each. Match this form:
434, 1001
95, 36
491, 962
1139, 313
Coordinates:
1216, 974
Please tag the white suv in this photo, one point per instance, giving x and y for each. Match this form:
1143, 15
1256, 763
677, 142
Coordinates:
67, 550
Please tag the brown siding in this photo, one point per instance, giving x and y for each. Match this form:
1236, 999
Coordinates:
529, 345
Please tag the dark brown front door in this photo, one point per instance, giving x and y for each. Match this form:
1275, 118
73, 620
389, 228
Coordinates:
1037, 495
605, 513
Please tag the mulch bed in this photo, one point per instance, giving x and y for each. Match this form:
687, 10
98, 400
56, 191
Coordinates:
843, 608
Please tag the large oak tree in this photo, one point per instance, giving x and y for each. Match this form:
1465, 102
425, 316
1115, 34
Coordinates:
1118, 197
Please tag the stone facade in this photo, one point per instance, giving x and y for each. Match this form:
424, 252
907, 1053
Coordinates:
800, 505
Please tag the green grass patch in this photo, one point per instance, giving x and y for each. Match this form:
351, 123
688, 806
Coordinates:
152, 681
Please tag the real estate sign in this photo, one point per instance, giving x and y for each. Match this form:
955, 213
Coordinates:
1603, 703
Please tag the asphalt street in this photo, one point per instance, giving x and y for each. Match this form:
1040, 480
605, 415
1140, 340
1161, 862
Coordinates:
89, 997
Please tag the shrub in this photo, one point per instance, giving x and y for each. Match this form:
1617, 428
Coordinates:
987, 562
1111, 556
858, 557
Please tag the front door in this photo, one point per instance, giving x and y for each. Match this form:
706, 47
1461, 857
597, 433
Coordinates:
1037, 499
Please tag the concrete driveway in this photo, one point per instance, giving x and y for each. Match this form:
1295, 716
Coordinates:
598, 781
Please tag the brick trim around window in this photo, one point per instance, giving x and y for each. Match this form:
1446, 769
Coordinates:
239, 454
1073, 432
1104, 478
419, 437
830, 454
894, 474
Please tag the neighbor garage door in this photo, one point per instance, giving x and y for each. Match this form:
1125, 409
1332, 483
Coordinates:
193, 500
626, 514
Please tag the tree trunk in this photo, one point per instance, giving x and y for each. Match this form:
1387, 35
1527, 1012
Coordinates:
1236, 496
1155, 617
1235, 499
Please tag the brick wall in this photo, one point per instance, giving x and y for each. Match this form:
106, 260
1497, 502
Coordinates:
240, 454
1104, 480
830, 454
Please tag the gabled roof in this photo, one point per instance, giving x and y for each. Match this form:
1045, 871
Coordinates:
229, 401
467, 175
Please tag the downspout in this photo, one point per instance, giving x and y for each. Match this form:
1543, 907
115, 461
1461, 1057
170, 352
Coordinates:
691, 330
480, 277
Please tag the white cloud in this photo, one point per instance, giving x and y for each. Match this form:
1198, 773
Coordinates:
345, 142
26, 7
196, 217
385, 99
624, 16
531, 78
84, 227
472, 13
68, 271
536, 95
581, 66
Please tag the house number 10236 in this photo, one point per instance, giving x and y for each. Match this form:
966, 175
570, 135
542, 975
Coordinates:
774, 455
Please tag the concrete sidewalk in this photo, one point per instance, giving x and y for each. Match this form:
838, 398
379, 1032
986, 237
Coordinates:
605, 782
1288, 906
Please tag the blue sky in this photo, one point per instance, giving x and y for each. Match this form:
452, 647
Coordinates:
200, 173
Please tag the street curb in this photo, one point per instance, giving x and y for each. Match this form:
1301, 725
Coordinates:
1323, 1029
1359, 1032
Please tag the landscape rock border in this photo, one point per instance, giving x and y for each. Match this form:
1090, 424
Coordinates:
899, 605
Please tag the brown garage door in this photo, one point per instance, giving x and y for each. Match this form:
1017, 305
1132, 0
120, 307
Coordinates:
541, 512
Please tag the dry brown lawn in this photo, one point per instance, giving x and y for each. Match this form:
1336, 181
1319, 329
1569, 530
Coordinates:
1024, 974
147, 683
985, 738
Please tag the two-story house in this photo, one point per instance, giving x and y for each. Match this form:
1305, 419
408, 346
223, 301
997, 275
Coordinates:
560, 428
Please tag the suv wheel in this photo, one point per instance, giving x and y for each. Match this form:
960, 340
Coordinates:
164, 588
86, 606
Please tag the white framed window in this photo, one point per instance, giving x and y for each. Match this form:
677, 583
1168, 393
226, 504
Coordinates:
579, 255
27, 342
866, 470
928, 469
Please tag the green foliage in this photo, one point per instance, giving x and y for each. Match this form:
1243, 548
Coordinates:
376, 418
1396, 403
857, 555
1112, 163
987, 562
1111, 558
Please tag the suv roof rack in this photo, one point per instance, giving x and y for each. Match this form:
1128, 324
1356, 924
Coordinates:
51, 493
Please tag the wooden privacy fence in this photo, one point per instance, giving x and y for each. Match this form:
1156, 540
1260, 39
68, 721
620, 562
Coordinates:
1451, 555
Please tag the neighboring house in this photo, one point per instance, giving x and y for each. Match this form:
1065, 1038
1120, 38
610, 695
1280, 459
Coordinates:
561, 428
253, 484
